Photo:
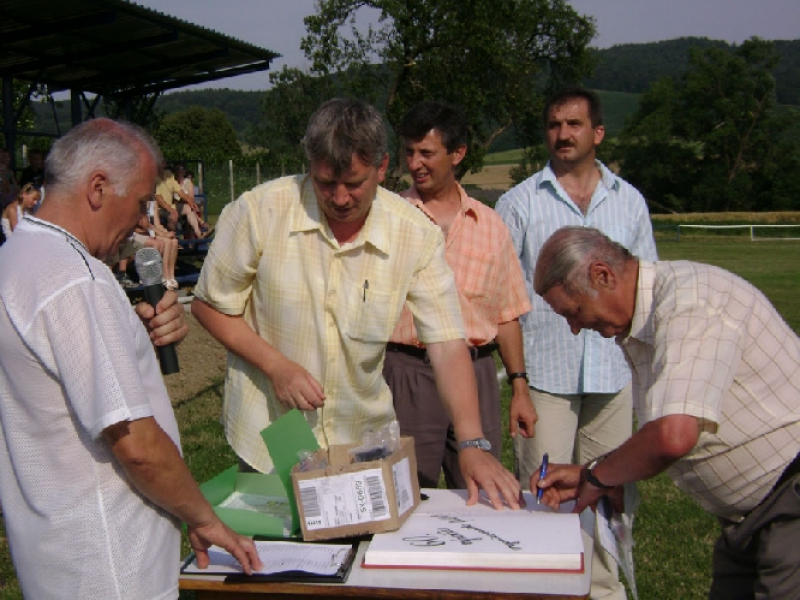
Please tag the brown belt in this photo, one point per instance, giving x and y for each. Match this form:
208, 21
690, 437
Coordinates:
475, 352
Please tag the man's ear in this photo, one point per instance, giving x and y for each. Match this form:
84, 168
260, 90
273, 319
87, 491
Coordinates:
383, 168
599, 134
602, 276
458, 155
99, 189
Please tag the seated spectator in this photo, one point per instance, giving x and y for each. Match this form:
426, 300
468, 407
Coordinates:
27, 199
146, 235
173, 203
186, 183
186, 180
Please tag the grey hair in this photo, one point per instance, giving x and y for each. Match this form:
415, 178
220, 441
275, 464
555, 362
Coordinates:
342, 127
99, 144
566, 256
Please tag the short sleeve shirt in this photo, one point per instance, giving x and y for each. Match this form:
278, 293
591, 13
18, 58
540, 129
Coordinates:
706, 343
327, 306
489, 279
75, 359
168, 190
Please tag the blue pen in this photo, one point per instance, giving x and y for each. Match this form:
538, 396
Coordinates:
542, 475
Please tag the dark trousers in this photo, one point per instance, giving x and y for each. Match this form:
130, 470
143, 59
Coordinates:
759, 557
422, 415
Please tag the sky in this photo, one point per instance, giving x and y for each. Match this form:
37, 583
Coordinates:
277, 25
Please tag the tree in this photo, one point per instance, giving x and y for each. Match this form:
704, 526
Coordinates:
706, 141
287, 107
197, 133
23, 95
494, 58
135, 109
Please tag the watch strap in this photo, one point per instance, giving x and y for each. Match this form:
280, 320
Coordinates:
517, 375
480, 443
592, 478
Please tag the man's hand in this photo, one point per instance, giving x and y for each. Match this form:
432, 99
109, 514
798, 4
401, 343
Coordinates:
481, 470
161, 202
567, 482
654, 447
295, 387
166, 323
153, 465
522, 415
561, 484
217, 533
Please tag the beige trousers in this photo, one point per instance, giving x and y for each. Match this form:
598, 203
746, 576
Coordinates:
575, 428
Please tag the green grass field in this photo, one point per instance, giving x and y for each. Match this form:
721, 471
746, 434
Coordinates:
506, 157
674, 537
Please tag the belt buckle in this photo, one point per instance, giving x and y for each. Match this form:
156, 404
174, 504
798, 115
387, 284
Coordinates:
473, 352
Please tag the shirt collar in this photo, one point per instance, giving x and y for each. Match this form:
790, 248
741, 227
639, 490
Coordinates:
51, 227
609, 179
642, 325
311, 218
412, 195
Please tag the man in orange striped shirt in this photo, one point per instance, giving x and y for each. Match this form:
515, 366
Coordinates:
492, 296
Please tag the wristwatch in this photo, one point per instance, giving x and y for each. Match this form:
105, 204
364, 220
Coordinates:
479, 443
518, 375
592, 478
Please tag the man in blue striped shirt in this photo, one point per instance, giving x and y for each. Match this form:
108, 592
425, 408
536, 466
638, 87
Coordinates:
580, 384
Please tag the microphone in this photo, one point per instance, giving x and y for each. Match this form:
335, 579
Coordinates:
148, 266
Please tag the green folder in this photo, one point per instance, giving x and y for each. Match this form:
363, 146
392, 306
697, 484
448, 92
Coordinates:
285, 438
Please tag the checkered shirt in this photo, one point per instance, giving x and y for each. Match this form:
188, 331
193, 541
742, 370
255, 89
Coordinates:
706, 343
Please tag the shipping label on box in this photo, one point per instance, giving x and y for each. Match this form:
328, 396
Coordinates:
344, 499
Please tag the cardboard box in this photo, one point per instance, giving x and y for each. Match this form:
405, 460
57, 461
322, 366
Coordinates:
252, 503
349, 499
344, 499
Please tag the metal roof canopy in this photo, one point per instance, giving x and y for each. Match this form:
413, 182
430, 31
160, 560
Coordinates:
112, 48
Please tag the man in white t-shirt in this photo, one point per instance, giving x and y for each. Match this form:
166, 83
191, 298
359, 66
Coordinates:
92, 482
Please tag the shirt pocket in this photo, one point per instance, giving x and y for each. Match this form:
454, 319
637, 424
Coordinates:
371, 312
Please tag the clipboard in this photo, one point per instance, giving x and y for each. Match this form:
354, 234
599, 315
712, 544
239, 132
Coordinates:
299, 576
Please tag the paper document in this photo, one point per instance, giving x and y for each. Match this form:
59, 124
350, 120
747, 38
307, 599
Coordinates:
279, 557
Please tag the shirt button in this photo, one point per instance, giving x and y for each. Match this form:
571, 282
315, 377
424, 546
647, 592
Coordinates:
331, 292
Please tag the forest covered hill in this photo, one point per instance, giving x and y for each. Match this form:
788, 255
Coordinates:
624, 71
633, 68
